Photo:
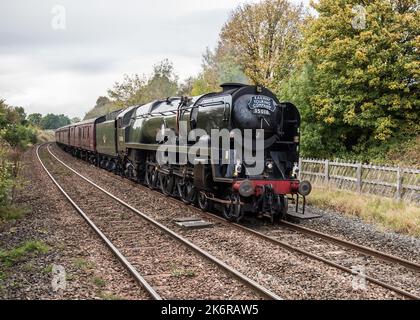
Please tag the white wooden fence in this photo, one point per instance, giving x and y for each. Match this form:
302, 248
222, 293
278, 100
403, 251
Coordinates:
395, 182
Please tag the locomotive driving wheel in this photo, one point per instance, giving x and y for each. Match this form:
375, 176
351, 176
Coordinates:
130, 172
185, 190
166, 183
93, 160
203, 202
151, 176
233, 211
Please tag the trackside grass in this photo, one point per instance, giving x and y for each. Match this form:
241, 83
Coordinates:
10, 257
386, 213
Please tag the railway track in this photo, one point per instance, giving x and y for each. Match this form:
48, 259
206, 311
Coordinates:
347, 244
343, 243
360, 249
340, 242
117, 241
352, 245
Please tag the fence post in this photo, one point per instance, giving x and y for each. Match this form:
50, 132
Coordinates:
359, 178
326, 171
399, 183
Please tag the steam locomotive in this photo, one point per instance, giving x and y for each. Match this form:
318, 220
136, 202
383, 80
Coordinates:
136, 142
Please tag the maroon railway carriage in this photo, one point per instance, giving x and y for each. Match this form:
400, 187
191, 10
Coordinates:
82, 135
79, 138
62, 135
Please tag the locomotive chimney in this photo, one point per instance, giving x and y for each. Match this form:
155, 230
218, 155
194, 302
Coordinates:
231, 86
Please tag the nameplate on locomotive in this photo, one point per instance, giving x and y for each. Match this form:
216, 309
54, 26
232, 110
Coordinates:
261, 105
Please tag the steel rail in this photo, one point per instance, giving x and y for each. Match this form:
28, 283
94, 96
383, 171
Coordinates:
311, 255
264, 292
315, 257
361, 249
352, 245
139, 278
292, 248
345, 243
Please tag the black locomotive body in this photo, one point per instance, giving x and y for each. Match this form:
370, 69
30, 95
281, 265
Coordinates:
236, 150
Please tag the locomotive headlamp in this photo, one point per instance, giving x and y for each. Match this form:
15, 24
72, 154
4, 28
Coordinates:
295, 170
246, 189
238, 167
305, 188
269, 165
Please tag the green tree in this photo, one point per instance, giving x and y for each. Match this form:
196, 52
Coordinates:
15, 136
363, 85
54, 121
125, 93
11, 115
13, 127
162, 83
103, 106
135, 90
185, 88
20, 136
75, 120
20, 115
218, 67
265, 38
35, 119
6, 179
298, 89
208, 79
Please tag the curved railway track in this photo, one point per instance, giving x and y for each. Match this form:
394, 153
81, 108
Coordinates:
350, 245
251, 284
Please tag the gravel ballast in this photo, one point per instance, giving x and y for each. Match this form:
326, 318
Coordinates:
174, 270
92, 272
289, 275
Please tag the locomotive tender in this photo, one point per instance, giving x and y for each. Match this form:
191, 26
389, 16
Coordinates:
128, 142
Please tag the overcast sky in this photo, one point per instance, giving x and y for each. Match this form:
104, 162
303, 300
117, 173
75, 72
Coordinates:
46, 68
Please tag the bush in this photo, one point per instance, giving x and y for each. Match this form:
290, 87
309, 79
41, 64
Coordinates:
6, 177
20, 136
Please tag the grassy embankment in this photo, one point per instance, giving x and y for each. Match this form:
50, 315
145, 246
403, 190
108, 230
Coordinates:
45, 136
386, 213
